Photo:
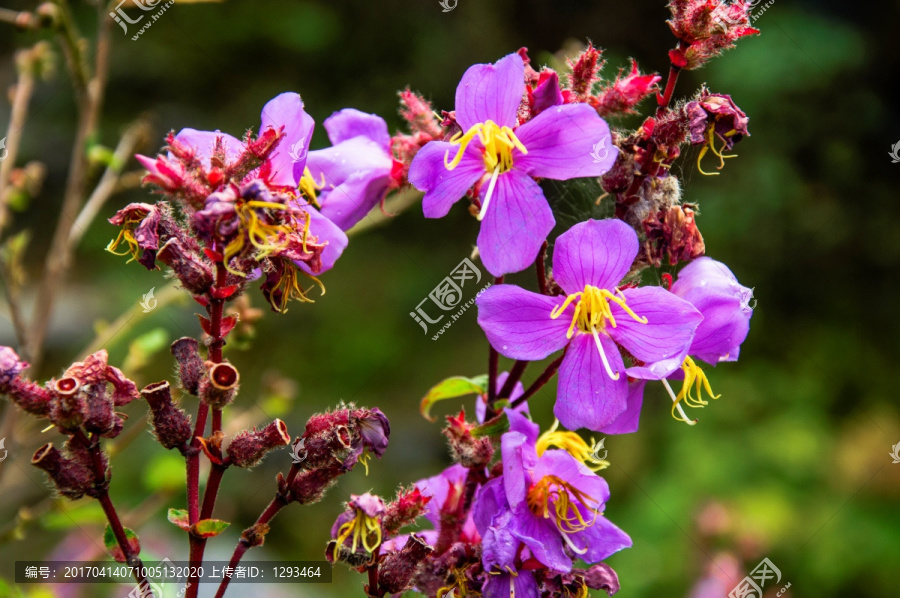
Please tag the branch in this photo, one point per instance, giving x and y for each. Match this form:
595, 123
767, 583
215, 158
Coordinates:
23, 90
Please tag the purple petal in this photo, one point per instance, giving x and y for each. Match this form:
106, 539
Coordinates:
516, 224
670, 326
587, 397
438, 487
518, 324
628, 420
566, 142
542, 538
349, 123
204, 142
518, 458
356, 173
561, 464
522, 585
602, 540
443, 187
521, 424
325, 230
491, 92
547, 93
289, 158
594, 252
725, 304
657, 370
518, 391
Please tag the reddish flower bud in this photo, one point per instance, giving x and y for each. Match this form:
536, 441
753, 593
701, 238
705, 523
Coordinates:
72, 479
99, 411
706, 28
626, 92
398, 568
309, 487
96, 370
166, 174
27, 395
585, 72
672, 233
466, 449
190, 365
220, 385
417, 111
403, 511
171, 425
250, 446
193, 274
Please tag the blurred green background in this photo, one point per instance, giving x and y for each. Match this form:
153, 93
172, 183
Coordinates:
791, 464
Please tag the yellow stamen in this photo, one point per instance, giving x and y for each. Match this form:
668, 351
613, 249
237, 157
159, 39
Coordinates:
592, 309
573, 444
263, 236
711, 145
363, 530
290, 287
309, 188
694, 380
126, 235
498, 143
565, 498
459, 585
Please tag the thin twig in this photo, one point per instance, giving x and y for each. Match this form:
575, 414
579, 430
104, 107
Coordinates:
21, 98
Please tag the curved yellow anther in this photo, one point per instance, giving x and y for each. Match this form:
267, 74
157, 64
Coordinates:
309, 188
592, 309
694, 380
362, 530
575, 445
498, 142
710, 145
565, 498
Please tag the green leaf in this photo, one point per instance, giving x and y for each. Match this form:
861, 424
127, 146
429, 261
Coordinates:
180, 518
109, 539
493, 427
456, 386
209, 528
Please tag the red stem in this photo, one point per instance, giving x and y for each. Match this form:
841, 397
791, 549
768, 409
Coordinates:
515, 374
195, 513
540, 382
112, 516
541, 270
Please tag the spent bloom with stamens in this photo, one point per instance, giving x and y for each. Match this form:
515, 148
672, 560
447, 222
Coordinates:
548, 503
357, 532
500, 159
725, 304
591, 321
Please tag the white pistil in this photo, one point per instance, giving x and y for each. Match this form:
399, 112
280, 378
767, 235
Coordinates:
612, 374
490, 191
678, 406
574, 548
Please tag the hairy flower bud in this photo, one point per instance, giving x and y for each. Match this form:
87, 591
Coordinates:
193, 274
398, 568
403, 511
72, 479
171, 425
466, 449
673, 233
99, 411
190, 365
220, 385
250, 446
27, 395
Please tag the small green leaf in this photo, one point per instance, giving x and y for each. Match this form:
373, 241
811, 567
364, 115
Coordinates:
493, 427
456, 386
209, 528
180, 518
109, 539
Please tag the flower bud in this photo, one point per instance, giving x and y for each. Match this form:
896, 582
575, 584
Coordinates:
219, 387
99, 411
171, 425
68, 408
194, 275
27, 395
250, 446
466, 449
309, 487
190, 365
398, 568
408, 506
72, 479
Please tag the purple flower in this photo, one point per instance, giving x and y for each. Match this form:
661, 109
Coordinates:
353, 175
501, 158
725, 304
282, 171
547, 502
595, 317
357, 532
